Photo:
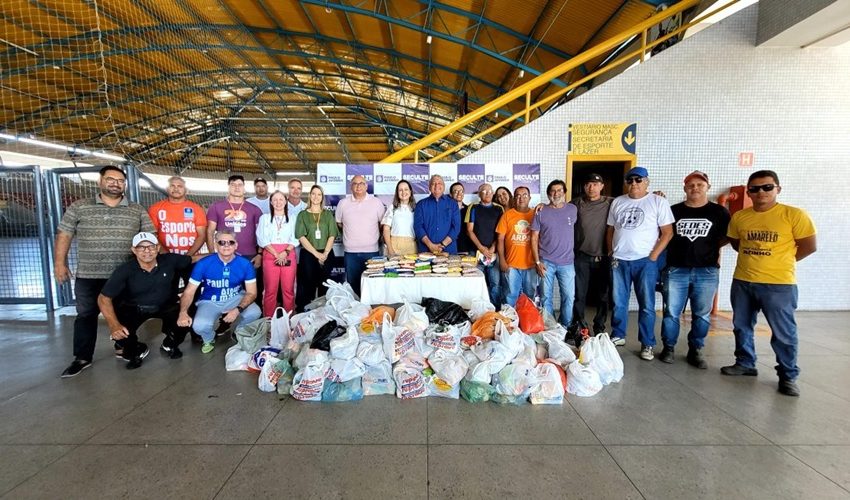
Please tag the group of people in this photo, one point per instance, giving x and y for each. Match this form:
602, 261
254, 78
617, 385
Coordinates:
271, 243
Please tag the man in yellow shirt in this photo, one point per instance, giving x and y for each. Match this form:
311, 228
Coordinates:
770, 238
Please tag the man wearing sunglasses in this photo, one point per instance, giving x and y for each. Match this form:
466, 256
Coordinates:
139, 290
640, 225
770, 238
228, 288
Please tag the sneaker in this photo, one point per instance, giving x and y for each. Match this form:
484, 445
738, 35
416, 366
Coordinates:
173, 352
666, 355
736, 369
207, 347
618, 341
119, 354
789, 388
696, 359
646, 353
75, 368
144, 350
223, 327
134, 363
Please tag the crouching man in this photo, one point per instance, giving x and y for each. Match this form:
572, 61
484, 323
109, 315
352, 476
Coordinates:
228, 288
141, 289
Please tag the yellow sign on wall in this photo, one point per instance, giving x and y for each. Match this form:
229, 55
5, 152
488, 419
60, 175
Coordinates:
602, 138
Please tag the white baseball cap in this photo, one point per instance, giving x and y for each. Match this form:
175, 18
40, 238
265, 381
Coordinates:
143, 236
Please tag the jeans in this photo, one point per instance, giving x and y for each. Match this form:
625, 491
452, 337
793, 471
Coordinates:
208, 311
86, 291
520, 280
643, 273
566, 275
132, 318
493, 277
310, 276
778, 303
696, 285
355, 263
592, 273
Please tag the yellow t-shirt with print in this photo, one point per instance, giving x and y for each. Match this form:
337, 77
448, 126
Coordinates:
767, 249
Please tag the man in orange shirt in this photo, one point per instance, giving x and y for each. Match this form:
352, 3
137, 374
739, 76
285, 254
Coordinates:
514, 246
180, 224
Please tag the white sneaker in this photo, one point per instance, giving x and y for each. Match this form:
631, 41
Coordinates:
618, 341
646, 353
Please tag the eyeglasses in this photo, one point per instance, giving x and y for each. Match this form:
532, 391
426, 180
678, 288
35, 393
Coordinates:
358, 183
764, 187
634, 180
523, 195
226, 243
113, 180
146, 248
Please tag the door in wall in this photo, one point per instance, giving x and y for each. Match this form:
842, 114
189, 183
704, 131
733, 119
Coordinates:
611, 171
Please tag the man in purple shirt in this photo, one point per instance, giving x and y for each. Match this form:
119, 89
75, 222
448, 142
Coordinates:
359, 218
552, 239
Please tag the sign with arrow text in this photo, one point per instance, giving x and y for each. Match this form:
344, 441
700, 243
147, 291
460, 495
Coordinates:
602, 138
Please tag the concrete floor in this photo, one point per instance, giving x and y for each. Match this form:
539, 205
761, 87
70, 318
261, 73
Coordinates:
189, 429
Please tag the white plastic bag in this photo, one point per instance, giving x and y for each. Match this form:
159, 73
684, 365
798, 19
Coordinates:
582, 380
528, 355
513, 380
236, 359
409, 382
343, 370
592, 355
305, 326
443, 337
548, 387
449, 367
279, 328
610, 353
411, 316
479, 307
440, 388
378, 379
259, 358
345, 346
510, 313
558, 349
398, 340
309, 382
480, 373
267, 381
370, 354
355, 313
495, 353
511, 340
311, 356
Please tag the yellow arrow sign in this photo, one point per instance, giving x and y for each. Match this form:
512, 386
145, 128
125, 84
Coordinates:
602, 138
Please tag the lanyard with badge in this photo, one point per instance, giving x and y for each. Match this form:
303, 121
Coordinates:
318, 229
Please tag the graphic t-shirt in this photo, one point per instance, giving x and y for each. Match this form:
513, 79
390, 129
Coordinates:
242, 218
516, 227
177, 224
696, 235
636, 223
556, 238
220, 282
767, 250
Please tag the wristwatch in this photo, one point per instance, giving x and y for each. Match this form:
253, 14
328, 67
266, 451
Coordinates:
537, 263
240, 308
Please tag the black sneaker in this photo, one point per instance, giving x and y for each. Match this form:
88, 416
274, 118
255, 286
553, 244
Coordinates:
173, 352
789, 388
696, 359
666, 355
75, 368
736, 370
136, 361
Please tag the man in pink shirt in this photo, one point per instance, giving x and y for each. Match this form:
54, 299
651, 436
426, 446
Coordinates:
359, 218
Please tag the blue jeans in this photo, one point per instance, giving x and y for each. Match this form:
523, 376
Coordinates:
696, 285
208, 311
778, 303
643, 273
520, 280
566, 275
355, 263
493, 277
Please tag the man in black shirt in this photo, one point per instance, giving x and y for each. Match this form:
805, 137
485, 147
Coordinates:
480, 225
692, 272
138, 290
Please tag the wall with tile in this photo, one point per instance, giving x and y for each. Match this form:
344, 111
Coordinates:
702, 102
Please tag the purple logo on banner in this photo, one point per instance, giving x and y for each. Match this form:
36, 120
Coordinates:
366, 170
418, 175
471, 176
528, 175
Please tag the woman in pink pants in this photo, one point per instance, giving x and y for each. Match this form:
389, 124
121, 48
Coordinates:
276, 235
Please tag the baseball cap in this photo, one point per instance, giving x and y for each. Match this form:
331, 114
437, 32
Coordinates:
636, 172
143, 236
593, 178
696, 173
260, 179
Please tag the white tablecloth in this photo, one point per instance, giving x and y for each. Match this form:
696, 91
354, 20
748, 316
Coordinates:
461, 290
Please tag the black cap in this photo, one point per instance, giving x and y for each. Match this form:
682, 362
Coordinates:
593, 178
260, 179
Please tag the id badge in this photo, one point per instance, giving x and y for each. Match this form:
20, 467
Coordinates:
237, 228
318, 234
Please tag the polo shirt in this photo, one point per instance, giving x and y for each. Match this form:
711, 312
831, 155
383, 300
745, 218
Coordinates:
437, 218
221, 281
360, 221
134, 286
104, 234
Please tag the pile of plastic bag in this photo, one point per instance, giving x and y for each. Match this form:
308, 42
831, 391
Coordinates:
342, 350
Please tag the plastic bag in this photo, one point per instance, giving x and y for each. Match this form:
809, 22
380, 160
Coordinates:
375, 318
335, 392
530, 320
558, 349
328, 331
355, 314
443, 337
510, 339
510, 314
279, 328
236, 359
252, 336
437, 387
610, 353
449, 367
345, 347
259, 358
311, 357
592, 355
309, 383
410, 383
549, 385
479, 308
507, 399
446, 313
476, 392
411, 316
493, 352
305, 325
343, 370
485, 326
528, 355
582, 380
397, 340
514, 380
267, 381
287, 374
370, 354
378, 379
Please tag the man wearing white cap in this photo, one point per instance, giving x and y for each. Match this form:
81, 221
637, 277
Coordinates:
693, 267
640, 224
141, 289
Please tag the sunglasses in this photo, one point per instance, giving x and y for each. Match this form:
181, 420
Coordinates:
226, 243
764, 187
633, 180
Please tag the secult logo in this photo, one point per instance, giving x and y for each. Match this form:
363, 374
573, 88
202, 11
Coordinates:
527, 177
470, 178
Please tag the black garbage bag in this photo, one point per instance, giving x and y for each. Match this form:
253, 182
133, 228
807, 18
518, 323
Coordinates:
324, 335
446, 313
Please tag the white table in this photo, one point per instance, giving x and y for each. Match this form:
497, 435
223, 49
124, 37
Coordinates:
461, 290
